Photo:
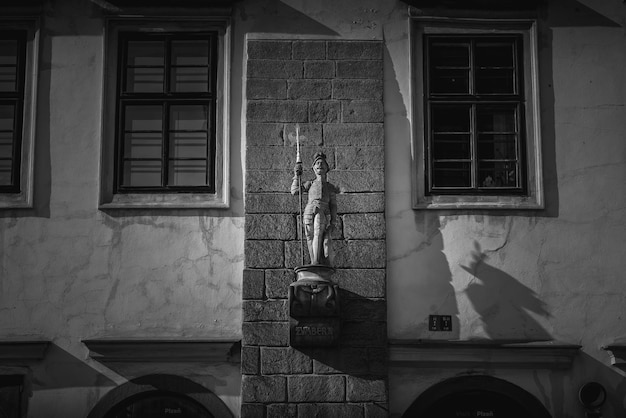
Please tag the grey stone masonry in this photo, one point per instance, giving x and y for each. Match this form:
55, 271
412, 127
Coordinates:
331, 92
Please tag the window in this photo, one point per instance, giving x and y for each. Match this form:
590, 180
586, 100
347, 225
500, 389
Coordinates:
476, 115
165, 141
18, 41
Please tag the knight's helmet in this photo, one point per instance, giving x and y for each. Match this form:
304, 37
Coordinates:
320, 156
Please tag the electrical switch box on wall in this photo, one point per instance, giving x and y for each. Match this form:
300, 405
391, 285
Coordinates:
440, 322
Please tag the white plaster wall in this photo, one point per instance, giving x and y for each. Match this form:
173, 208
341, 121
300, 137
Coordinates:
69, 271
551, 274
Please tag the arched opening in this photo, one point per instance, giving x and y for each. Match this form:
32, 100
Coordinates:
160, 396
476, 396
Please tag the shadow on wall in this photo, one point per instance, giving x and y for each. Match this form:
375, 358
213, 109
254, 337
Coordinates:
362, 347
503, 303
291, 20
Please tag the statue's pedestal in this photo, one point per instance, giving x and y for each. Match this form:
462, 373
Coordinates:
314, 307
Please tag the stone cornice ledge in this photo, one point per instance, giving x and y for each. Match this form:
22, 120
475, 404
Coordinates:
22, 351
617, 352
482, 353
139, 350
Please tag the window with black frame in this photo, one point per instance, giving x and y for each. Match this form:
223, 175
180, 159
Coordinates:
166, 112
12, 73
474, 115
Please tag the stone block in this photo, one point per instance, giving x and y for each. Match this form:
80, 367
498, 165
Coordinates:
360, 203
253, 284
364, 226
367, 283
376, 410
324, 111
252, 410
271, 203
360, 158
277, 111
261, 181
266, 89
276, 360
277, 283
262, 49
265, 310
263, 389
358, 181
294, 254
270, 226
361, 389
363, 334
276, 69
264, 134
360, 69
250, 360
323, 410
282, 410
355, 50
319, 69
270, 158
360, 254
330, 388
357, 89
264, 254
270, 334
308, 89
309, 50
349, 134
361, 309
310, 134
362, 111
343, 361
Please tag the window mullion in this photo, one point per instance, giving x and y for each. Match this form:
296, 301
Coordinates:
473, 121
165, 150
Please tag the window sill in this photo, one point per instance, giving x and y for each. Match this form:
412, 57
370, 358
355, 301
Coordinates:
165, 201
16, 201
478, 202
463, 354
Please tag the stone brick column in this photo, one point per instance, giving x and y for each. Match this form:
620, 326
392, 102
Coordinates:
334, 90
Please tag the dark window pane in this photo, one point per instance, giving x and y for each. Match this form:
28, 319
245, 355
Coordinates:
8, 52
8, 78
448, 146
144, 118
497, 174
451, 174
6, 168
6, 144
451, 118
142, 173
494, 54
449, 81
190, 79
190, 53
495, 81
497, 146
189, 118
143, 145
449, 55
496, 119
144, 80
188, 144
7, 113
142, 53
187, 172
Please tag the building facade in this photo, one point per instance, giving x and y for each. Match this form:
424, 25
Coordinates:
149, 236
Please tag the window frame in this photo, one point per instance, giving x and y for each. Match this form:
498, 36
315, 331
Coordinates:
20, 194
530, 195
112, 196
